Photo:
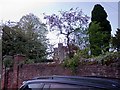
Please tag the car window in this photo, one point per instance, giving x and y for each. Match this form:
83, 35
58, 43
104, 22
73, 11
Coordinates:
57, 86
34, 86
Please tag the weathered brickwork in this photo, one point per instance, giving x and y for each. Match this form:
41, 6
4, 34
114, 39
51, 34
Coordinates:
35, 70
21, 72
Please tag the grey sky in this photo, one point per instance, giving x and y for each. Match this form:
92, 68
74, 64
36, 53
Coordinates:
13, 10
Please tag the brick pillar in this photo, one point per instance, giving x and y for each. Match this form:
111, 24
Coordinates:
17, 60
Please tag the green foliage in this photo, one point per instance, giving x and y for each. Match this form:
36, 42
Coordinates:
82, 58
83, 53
27, 37
116, 40
108, 58
81, 38
98, 13
95, 38
8, 61
35, 32
29, 61
99, 34
73, 62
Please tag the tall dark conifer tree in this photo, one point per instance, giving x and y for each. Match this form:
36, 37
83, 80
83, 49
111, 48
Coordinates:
99, 15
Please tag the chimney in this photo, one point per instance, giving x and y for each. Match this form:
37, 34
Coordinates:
60, 51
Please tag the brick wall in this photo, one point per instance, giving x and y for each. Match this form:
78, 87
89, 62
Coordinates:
21, 72
35, 70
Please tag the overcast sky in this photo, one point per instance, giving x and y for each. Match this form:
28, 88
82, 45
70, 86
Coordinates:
13, 10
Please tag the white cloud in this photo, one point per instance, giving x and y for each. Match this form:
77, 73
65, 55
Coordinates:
15, 9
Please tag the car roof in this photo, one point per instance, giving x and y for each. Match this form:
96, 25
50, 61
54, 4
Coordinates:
98, 82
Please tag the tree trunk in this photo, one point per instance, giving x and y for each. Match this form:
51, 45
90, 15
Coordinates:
68, 45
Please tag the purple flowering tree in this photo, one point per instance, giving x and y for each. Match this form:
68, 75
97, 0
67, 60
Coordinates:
67, 22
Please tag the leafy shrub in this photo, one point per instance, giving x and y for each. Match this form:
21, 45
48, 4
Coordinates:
8, 61
84, 53
73, 62
81, 58
108, 58
29, 61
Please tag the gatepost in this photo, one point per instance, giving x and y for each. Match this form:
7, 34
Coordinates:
17, 61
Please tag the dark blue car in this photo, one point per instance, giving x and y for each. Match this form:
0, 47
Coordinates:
71, 83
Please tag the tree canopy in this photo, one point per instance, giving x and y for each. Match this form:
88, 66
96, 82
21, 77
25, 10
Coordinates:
27, 37
68, 23
99, 15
